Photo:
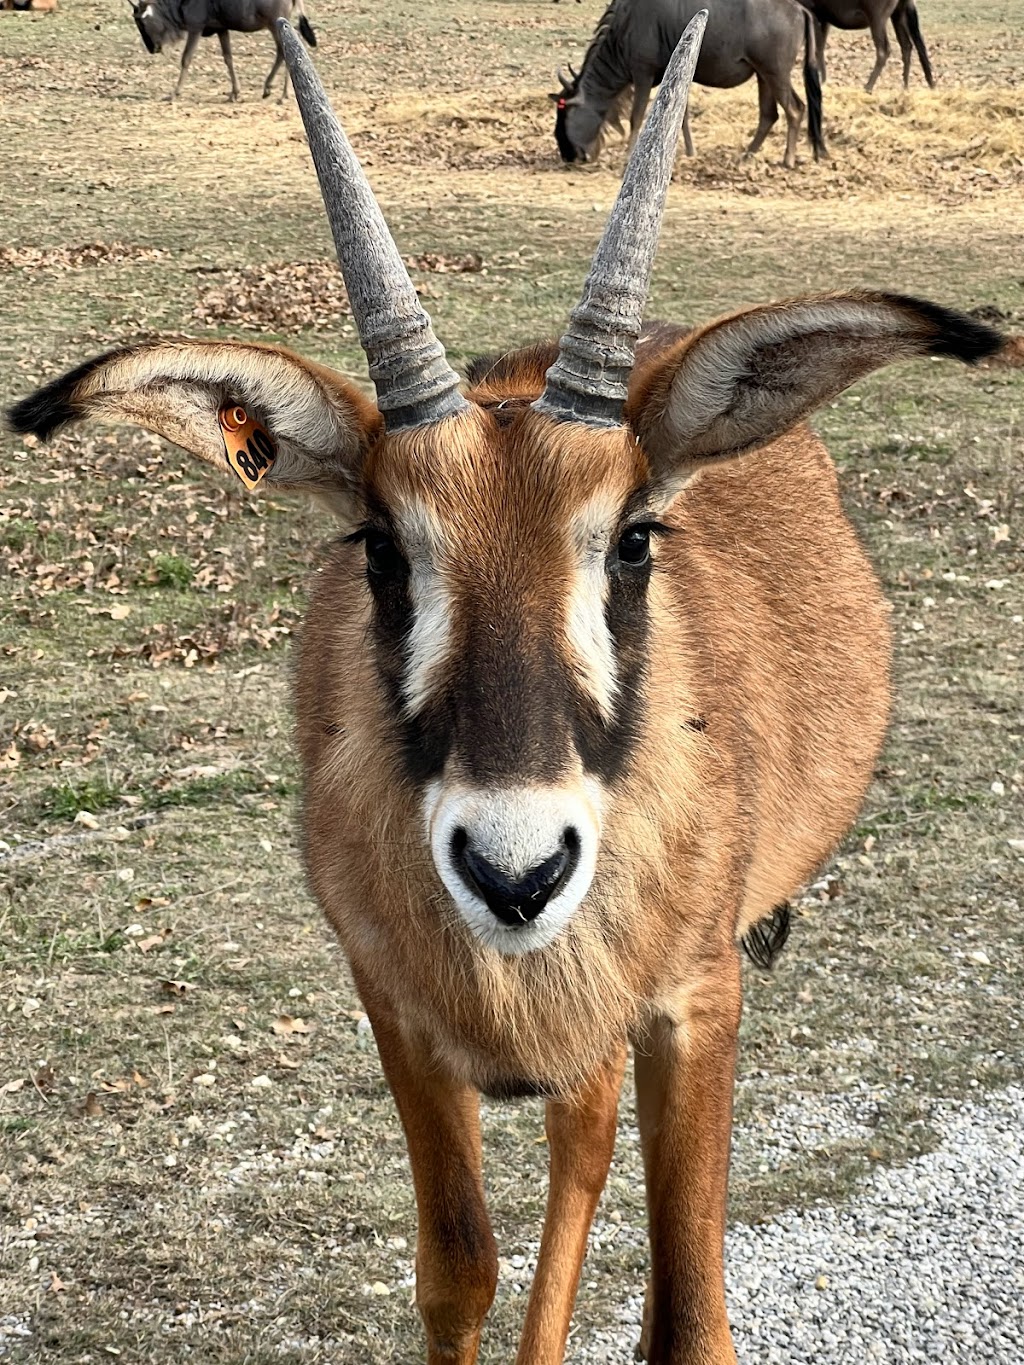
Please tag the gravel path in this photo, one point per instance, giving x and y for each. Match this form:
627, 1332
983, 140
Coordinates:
926, 1265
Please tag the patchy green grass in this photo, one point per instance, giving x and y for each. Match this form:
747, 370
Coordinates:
204, 1178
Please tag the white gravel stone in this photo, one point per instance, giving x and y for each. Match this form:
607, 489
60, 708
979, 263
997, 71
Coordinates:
926, 1265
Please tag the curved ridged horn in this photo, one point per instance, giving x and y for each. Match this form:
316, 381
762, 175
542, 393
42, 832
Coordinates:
415, 384
588, 381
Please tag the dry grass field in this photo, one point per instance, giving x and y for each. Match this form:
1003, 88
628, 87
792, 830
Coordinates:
199, 1159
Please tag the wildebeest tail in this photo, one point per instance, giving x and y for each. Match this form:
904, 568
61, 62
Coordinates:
812, 89
305, 27
914, 29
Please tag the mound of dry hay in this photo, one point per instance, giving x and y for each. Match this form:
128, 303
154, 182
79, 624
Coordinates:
292, 296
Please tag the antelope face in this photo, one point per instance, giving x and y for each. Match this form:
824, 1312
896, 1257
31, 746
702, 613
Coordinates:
509, 572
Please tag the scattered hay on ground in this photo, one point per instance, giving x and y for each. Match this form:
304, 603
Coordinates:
76, 257
1011, 355
953, 144
282, 296
290, 296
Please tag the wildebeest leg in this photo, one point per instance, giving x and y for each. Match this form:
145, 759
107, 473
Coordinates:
225, 52
456, 1259
684, 1080
641, 99
899, 26
581, 1138
191, 43
793, 107
687, 135
881, 37
268, 83
769, 114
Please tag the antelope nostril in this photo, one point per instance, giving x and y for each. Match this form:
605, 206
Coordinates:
515, 900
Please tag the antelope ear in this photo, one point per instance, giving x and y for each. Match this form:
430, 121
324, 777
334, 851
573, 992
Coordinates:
319, 423
742, 382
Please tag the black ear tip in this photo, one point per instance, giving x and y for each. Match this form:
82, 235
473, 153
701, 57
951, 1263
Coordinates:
42, 412
54, 405
955, 334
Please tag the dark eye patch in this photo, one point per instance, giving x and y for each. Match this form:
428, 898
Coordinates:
425, 738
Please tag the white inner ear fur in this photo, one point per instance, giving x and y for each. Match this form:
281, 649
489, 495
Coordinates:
710, 410
178, 391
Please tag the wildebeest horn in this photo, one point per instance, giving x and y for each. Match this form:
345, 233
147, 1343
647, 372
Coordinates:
563, 82
415, 384
588, 381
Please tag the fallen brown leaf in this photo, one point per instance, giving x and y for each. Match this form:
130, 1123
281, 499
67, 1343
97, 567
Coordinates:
176, 987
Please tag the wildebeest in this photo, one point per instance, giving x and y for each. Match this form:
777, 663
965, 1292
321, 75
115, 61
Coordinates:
165, 22
593, 683
874, 14
631, 47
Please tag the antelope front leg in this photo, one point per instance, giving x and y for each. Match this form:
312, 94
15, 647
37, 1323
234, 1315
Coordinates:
684, 1082
456, 1259
581, 1138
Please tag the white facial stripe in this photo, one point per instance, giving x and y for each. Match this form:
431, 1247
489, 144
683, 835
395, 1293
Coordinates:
430, 637
515, 829
589, 637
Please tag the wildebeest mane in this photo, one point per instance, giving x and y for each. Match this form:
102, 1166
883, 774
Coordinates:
600, 55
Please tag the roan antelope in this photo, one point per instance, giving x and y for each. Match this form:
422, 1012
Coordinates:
593, 683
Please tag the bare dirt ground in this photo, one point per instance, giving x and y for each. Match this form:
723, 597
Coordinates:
198, 1156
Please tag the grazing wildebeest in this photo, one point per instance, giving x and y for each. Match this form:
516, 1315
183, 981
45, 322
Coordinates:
165, 22
595, 681
873, 14
631, 47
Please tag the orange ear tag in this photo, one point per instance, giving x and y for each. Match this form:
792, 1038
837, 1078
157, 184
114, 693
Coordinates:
248, 446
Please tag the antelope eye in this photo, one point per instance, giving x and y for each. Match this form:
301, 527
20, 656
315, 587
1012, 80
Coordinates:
635, 546
383, 557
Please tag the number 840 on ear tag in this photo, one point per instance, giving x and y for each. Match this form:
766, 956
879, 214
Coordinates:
248, 446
